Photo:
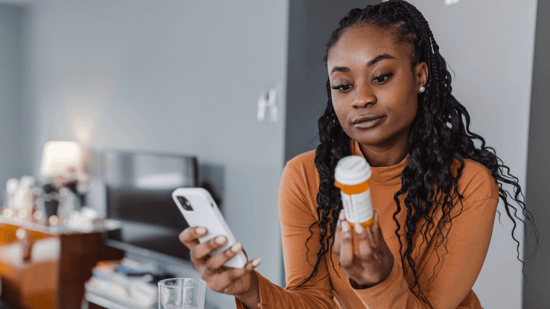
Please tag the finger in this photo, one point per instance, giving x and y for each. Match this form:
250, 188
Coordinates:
338, 235
342, 215
213, 264
346, 249
375, 231
365, 243
227, 278
190, 236
201, 251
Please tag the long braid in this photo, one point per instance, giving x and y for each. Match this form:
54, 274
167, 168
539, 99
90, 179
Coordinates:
334, 146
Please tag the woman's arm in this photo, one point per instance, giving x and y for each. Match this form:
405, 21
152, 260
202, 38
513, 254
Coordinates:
251, 299
445, 278
296, 217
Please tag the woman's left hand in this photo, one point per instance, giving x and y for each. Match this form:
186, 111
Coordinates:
374, 261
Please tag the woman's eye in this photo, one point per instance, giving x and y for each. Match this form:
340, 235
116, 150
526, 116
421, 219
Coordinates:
342, 88
382, 78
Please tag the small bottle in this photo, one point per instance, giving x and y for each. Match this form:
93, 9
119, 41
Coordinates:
352, 176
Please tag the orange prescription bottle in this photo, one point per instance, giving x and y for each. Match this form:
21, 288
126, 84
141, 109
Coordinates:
352, 176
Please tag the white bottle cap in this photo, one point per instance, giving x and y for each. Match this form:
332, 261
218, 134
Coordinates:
352, 170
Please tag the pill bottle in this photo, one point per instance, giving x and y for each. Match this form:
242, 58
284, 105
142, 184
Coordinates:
352, 176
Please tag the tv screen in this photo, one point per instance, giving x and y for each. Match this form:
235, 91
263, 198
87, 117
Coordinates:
139, 189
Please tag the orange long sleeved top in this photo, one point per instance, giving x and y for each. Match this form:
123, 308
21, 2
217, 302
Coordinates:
455, 271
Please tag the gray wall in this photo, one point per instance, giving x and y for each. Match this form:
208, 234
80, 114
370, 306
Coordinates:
170, 76
489, 47
535, 289
10, 94
310, 24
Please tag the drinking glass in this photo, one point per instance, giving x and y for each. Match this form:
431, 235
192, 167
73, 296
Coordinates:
182, 293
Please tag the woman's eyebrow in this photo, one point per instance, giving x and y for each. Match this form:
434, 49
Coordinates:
369, 64
339, 69
379, 58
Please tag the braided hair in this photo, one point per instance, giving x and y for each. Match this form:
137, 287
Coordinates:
439, 134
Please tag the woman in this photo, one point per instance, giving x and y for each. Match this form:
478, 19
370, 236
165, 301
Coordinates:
435, 193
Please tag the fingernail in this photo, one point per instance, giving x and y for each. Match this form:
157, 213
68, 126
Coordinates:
359, 228
200, 230
220, 240
345, 227
256, 262
236, 247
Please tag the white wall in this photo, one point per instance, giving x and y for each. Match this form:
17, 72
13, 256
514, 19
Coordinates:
170, 76
489, 45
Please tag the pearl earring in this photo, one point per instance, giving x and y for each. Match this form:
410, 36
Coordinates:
422, 89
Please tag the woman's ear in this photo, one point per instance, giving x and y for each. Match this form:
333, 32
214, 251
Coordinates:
421, 75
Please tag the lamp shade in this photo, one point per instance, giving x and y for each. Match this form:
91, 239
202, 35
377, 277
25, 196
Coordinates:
59, 158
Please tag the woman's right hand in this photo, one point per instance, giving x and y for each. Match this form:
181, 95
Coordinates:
239, 282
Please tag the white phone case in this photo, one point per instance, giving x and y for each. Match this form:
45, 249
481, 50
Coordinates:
207, 214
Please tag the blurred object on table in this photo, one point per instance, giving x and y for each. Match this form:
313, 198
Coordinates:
11, 188
64, 178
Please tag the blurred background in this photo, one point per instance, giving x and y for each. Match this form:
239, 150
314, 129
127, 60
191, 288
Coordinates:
225, 92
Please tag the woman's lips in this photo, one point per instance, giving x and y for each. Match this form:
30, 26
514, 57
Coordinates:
367, 122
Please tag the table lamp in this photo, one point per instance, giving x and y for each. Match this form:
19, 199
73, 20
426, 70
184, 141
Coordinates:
65, 162
62, 158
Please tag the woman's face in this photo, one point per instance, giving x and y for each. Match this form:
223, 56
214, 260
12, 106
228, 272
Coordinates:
374, 92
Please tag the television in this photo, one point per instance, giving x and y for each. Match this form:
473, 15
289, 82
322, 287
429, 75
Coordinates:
138, 187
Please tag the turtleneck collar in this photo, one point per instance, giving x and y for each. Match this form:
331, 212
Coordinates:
384, 175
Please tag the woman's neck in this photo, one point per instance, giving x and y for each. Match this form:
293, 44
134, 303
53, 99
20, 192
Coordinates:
378, 156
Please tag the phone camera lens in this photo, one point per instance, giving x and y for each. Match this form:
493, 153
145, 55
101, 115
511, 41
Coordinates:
185, 203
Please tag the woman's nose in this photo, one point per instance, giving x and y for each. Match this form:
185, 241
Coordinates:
363, 97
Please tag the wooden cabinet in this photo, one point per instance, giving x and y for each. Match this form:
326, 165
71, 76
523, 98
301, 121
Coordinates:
61, 261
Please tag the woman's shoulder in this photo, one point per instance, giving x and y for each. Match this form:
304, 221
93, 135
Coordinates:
476, 181
301, 169
304, 161
300, 183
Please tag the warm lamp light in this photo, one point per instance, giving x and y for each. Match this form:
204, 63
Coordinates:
59, 158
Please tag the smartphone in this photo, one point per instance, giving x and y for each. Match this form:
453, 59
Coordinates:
199, 209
